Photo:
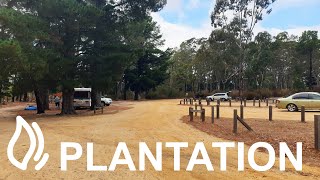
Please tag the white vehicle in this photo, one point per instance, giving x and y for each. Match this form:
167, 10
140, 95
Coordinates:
106, 101
82, 98
219, 96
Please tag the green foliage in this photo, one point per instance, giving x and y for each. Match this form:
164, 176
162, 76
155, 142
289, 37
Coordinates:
10, 60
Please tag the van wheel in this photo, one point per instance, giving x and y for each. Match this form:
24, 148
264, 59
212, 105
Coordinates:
103, 103
292, 108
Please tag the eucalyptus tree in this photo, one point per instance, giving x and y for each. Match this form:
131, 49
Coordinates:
308, 45
240, 17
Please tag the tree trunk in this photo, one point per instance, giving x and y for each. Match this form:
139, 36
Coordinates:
25, 97
46, 100
136, 95
67, 102
95, 99
12, 99
310, 73
40, 100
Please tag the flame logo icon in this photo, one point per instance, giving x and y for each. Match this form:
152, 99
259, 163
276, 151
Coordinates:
21, 123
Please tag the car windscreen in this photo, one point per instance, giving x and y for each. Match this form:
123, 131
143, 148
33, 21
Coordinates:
81, 95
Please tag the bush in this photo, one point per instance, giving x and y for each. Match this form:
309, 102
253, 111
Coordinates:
281, 92
250, 95
164, 92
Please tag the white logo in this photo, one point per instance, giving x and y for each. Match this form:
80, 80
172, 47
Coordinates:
33, 143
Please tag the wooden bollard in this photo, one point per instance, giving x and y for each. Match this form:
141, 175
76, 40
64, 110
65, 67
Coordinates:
208, 102
241, 102
191, 113
191, 101
317, 132
196, 106
235, 121
303, 114
218, 111
242, 112
203, 115
270, 113
218, 102
259, 102
267, 102
184, 101
230, 103
200, 102
254, 102
245, 102
212, 114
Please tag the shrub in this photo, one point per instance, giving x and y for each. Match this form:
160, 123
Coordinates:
164, 92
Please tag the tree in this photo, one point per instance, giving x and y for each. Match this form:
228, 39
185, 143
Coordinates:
150, 70
308, 44
31, 34
10, 60
246, 16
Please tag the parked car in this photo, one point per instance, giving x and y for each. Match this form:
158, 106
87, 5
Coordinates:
106, 101
219, 96
311, 100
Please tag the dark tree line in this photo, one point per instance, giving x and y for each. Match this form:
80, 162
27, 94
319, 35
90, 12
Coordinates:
56, 45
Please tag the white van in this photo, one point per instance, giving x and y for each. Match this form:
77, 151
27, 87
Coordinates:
82, 98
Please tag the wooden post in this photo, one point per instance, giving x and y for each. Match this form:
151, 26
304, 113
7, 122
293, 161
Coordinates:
94, 109
184, 101
245, 102
180, 102
235, 121
230, 103
200, 102
218, 111
102, 109
317, 132
212, 114
259, 102
267, 102
218, 102
191, 113
241, 101
303, 114
241, 112
254, 102
196, 109
270, 113
203, 115
208, 102
191, 101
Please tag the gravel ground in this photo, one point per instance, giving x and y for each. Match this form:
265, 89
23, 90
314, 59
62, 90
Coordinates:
130, 122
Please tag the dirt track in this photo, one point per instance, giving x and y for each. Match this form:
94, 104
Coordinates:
150, 122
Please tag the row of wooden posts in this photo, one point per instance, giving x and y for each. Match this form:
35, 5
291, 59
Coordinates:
240, 119
243, 102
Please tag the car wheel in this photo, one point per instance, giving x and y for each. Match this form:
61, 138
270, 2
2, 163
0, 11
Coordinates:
103, 103
223, 99
292, 108
108, 104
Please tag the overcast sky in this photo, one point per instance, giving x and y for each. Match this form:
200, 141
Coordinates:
183, 19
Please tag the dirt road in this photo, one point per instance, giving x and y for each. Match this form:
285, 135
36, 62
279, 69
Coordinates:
150, 122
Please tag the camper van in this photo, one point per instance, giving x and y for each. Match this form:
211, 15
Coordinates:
82, 98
